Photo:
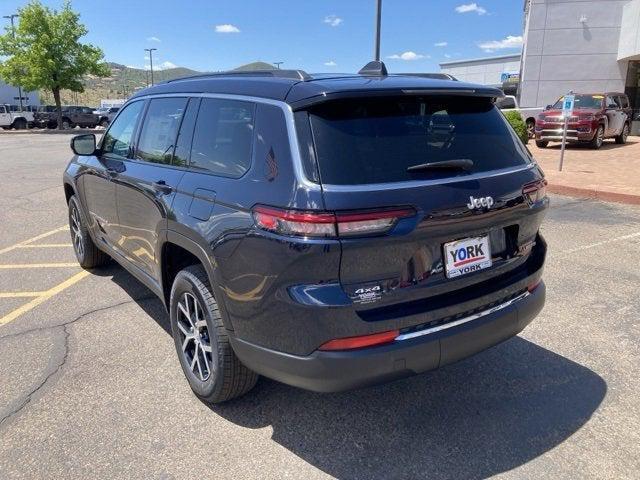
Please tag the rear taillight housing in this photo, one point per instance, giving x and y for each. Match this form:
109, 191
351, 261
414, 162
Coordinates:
534, 192
319, 224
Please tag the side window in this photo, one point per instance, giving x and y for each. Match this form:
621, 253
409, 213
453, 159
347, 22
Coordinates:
160, 129
611, 103
183, 143
623, 101
223, 137
3, 109
117, 140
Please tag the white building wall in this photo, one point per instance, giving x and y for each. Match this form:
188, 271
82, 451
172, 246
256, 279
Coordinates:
483, 71
571, 45
629, 46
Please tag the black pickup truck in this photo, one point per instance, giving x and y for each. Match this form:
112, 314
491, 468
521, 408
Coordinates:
72, 116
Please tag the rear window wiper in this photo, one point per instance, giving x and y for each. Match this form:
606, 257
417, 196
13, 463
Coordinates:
458, 164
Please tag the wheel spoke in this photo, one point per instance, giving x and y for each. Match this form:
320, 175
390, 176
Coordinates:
195, 356
202, 377
201, 324
183, 329
206, 347
186, 342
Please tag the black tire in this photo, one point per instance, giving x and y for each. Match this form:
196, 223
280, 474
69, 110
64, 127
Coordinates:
622, 138
531, 128
598, 138
67, 124
104, 123
227, 377
542, 143
88, 255
20, 124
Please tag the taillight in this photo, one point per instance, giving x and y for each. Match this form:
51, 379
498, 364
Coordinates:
328, 224
531, 288
534, 192
363, 341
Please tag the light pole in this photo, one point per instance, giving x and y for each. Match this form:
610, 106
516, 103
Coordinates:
13, 31
277, 64
376, 51
151, 50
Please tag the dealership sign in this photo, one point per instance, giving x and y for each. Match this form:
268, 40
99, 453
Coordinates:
509, 77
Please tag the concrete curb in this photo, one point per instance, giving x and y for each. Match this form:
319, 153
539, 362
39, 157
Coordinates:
71, 131
593, 193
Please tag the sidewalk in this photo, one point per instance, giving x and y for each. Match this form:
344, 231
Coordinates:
611, 173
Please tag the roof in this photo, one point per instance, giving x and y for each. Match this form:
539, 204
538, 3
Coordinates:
515, 56
300, 89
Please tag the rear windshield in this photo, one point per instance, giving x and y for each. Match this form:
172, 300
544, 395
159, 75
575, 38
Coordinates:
375, 140
582, 101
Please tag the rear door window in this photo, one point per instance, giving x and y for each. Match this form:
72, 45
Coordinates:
160, 129
223, 137
376, 140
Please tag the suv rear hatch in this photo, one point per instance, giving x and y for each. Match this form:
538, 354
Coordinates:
479, 187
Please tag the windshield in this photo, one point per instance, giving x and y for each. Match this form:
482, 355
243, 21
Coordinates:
582, 101
375, 140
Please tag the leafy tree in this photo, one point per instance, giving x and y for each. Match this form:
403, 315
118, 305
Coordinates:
46, 52
518, 125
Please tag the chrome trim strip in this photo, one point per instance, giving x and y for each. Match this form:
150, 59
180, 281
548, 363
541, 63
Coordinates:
288, 115
424, 183
462, 321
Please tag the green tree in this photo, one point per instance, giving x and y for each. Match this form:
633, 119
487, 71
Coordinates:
518, 125
46, 52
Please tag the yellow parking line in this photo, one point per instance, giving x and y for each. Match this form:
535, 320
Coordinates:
46, 245
20, 294
37, 265
33, 239
42, 298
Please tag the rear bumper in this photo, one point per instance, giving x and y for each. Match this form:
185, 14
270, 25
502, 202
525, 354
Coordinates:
337, 371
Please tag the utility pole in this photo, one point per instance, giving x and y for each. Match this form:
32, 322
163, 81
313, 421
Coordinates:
376, 51
277, 64
13, 31
151, 50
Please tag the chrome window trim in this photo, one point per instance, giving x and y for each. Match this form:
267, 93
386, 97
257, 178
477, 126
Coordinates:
371, 187
288, 115
462, 321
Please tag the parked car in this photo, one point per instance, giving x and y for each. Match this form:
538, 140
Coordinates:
19, 120
326, 232
596, 117
106, 116
529, 115
72, 116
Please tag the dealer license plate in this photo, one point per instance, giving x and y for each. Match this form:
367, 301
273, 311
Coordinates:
466, 256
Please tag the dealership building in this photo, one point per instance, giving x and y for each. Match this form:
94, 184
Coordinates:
580, 45
9, 96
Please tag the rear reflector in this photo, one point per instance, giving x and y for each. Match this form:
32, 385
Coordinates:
534, 192
531, 288
351, 343
328, 224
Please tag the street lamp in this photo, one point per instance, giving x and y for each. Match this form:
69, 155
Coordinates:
151, 50
376, 51
277, 64
13, 31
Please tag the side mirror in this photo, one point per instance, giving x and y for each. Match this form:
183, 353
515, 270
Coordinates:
548, 107
84, 144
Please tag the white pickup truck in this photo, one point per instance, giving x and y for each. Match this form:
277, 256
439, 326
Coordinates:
529, 115
17, 120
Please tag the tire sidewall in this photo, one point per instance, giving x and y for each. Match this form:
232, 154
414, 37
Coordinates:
185, 282
73, 203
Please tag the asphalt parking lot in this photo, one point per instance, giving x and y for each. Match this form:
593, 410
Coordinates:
91, 386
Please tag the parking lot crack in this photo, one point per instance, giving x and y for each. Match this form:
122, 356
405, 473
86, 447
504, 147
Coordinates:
54, 366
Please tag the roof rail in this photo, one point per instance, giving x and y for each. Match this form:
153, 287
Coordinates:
435, 76
277, 73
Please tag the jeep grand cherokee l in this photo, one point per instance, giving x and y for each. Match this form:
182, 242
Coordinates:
595, 117
329, 232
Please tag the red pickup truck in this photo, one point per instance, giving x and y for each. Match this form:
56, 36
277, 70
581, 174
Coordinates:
596, 116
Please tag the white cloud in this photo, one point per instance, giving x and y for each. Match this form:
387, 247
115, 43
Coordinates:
408, 56
510, 42
330, 63
440, 44
333, 20
227, 28
166, 65
153, 39
470, 7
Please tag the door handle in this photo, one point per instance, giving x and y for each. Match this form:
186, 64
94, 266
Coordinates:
161, 187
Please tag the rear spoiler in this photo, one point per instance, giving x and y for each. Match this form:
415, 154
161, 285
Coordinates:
487, 92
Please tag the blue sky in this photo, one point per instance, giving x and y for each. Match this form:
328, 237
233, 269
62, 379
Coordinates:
315, 35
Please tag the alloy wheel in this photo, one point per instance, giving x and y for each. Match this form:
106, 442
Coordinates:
600, 136
76, 232
194, 335
625, 133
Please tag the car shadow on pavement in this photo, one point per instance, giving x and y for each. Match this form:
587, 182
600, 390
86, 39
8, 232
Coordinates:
479, 417
474, 419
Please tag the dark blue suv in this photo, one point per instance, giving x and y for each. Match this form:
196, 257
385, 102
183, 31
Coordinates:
329, 232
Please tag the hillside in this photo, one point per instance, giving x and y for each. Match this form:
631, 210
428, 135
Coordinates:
124, 80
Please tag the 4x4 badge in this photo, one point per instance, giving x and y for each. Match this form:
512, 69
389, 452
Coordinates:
482, 202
